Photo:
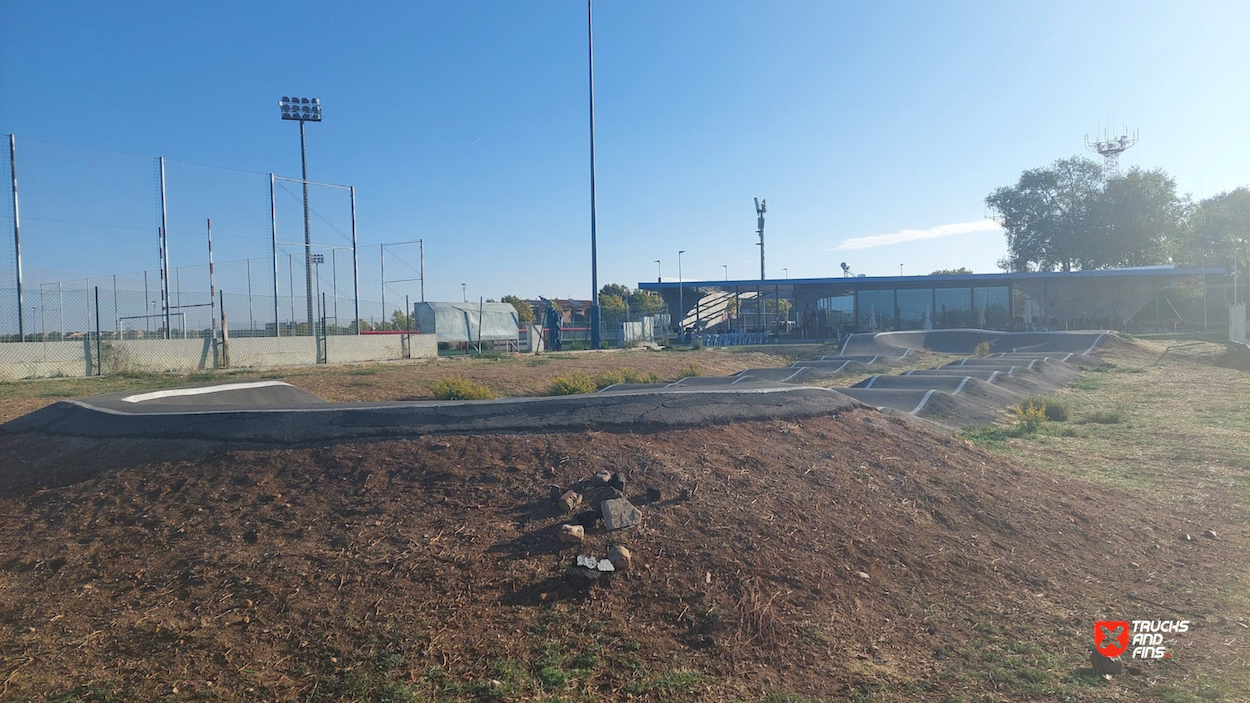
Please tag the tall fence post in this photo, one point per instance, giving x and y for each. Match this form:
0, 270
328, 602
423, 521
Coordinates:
273, 232
99, 356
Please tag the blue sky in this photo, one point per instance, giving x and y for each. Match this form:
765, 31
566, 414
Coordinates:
465, 123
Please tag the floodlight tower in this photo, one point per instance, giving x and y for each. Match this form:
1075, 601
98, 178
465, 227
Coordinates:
1110, 149
304, 110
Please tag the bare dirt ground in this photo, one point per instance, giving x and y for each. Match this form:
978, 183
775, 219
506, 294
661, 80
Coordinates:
854, 557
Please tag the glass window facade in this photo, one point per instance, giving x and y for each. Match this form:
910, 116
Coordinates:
915, 309
992, 307
953, 308
875, 310
833, 315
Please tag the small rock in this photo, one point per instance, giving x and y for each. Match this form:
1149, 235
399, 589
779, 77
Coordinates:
581, 577
596, 495
1104, 666
862, 574
605, 566
619, 513
1188, 537
588, 561
620, 558
572, 534
555, 492
617, 481
1209, 533
570, 501
601, 478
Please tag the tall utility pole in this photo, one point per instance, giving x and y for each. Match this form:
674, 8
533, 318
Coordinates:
304, 110
761, 207
595, 333
17, 238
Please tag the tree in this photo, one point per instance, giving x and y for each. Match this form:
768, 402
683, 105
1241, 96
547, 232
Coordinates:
524, 313
1046, 214
1215, 228
1067, 216
961, 271
399, 321
1135, 220
645, 301
611, 304
616, 289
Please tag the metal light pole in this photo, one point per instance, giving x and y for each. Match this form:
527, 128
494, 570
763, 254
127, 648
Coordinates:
304, 110
17, 238
900, 269
658, 276
464, 296
595, 338
761, 207
726, 267
786, 272
681, 294
1235, 273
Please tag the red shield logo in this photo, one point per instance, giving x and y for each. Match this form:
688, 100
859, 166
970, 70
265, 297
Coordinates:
1111, 637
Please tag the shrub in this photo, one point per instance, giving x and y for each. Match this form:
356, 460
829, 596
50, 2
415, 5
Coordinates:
1028, 418
572, 384
691, 369
1055, 409
982, 350
457, 388
696, 343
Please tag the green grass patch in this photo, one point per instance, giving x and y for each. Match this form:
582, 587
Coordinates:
1104, 417
691, 369
615, 376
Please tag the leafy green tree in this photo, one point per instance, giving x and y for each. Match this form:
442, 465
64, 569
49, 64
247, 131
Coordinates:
1067, 216
1215, 228
645, 301
1135, 220
524, 313
962, 270
399, 321
610, 304
1046, 215
616, 289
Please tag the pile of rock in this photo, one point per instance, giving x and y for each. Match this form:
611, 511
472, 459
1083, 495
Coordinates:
603, 495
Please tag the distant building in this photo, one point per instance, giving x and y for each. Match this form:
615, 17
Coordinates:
821, 308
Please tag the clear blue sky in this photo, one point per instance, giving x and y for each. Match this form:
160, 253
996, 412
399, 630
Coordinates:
465, 122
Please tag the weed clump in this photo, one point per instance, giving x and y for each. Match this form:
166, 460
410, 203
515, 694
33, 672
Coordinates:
691, 369
615, 376
457, 388
1028, 419
1055, 409
982, 350
573, 384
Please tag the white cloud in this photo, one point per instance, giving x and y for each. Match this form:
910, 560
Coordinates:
912, 235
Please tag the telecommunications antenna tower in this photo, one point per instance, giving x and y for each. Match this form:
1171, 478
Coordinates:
1110, 149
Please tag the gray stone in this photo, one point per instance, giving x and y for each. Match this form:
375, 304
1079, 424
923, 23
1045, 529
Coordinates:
572, 534
619, 513
620, 558
595, 496
581, 577
601, 478
570, 501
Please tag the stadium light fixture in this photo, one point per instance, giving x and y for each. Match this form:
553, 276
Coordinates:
304, 110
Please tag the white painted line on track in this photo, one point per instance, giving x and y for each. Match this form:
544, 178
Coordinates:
992, 377
179, 392
872, 381
1096, 341
962, 384
923, 400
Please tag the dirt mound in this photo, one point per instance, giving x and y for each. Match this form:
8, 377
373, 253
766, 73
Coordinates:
836, 556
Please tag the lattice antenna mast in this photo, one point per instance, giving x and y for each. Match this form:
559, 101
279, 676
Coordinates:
1110, 148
